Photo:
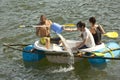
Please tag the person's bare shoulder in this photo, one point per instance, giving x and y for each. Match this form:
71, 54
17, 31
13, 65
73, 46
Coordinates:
50, 21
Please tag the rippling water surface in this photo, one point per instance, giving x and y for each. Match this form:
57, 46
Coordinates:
14, 13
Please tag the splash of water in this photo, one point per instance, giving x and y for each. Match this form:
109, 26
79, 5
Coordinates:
71, 58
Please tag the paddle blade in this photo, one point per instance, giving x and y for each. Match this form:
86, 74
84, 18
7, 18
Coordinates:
21, 26
69, 25
99, 54
111, 34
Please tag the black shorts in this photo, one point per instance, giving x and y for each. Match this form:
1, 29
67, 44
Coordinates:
55, 40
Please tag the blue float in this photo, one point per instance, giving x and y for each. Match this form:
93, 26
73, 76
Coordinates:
110, 54
32, 57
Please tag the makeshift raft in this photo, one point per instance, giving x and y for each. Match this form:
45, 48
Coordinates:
57, 54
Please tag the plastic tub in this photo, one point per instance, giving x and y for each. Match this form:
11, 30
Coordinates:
57, 28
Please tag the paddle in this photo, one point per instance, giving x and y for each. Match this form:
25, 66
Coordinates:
5, 44
65, 25
108, 34
99, 57
111, 34
69, 25
101, 53
61, 54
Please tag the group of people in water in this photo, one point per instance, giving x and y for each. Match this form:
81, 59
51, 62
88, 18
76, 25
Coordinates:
90, 37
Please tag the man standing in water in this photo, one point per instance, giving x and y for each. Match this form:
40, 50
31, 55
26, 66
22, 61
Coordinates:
88, 40
43, 31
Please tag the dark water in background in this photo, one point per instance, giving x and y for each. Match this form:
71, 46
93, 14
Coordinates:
16, 12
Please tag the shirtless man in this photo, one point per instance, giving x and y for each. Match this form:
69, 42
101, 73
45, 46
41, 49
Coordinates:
43, 31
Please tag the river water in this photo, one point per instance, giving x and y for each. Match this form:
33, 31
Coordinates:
14, 13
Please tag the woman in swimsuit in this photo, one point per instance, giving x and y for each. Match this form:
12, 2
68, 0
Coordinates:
96, 30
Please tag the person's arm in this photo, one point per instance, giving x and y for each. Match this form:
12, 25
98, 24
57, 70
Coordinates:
101, 29
81, 44
69, 29
85, 38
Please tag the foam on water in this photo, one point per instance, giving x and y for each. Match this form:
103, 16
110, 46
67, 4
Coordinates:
63, 69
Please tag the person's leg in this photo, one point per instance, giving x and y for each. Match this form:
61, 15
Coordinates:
42, 40
47, 44
81, 54
83, 47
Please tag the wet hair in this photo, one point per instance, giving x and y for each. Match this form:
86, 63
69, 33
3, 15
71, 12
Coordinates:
80, 24
42, 17
92, 20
